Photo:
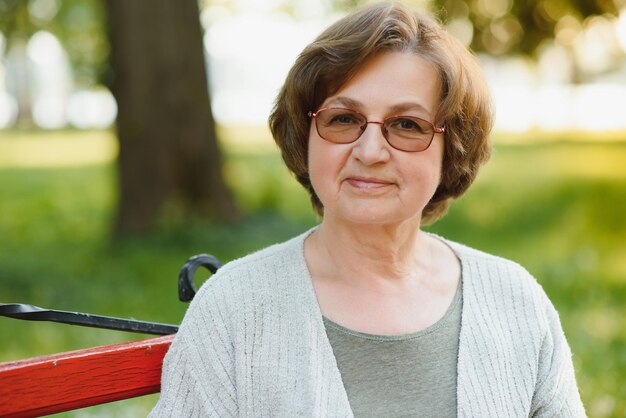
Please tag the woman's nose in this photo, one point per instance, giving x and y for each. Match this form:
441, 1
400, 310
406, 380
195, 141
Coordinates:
371, 147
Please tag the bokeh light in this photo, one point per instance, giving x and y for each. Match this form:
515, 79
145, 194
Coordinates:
92, 109
621, 28
8, 110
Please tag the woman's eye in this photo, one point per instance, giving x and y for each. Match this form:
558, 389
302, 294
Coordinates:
407, 125
343, 119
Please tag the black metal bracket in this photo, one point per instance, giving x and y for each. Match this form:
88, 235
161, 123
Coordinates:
186, 288
186, 292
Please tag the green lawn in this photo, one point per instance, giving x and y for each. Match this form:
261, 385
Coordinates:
556, 207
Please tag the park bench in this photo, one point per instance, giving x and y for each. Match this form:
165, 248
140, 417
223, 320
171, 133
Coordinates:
81, 378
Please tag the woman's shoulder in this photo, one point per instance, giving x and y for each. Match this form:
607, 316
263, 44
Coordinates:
499, 295
489, 266
488, 277
474, 255
259, 272
271, 283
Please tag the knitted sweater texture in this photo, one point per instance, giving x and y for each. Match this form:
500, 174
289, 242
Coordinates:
253, 344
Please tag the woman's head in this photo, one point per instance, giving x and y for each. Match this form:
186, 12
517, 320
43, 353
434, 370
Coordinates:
337, 55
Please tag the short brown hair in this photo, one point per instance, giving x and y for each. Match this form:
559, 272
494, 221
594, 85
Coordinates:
326, 64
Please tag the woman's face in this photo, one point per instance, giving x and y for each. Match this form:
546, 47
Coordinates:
368, 181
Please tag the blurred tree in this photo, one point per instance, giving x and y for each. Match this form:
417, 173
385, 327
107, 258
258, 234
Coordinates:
169, 158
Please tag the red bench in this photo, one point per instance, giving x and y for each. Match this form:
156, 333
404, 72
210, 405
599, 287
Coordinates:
77, 379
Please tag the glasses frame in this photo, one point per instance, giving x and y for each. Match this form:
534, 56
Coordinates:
385, 132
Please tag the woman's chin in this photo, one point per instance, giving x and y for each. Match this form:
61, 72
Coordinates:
368, 214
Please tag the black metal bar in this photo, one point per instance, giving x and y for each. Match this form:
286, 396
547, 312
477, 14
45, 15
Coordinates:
35, 313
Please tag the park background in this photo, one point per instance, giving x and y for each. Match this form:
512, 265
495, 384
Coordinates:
553, 197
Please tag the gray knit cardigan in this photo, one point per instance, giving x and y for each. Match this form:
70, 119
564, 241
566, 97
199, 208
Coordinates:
253, 344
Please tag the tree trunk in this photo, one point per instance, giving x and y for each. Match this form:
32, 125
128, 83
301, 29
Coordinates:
169, 158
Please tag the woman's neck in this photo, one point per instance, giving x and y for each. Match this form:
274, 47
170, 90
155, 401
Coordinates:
389, 252
381, 279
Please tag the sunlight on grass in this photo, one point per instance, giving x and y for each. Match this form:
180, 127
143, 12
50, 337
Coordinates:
536, 136
557, 160
247, 138
57, 149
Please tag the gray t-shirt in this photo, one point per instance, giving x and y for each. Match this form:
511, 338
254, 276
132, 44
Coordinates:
406, 375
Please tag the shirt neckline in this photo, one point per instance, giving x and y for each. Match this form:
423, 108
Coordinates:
456, 300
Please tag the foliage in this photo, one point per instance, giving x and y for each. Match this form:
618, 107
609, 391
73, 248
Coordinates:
557, 208
582, 33
79, 25
506, 26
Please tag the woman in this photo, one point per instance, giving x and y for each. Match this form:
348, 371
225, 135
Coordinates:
384, 120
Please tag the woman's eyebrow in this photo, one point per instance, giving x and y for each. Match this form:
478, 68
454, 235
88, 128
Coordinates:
345, 101
402, 107
357, 105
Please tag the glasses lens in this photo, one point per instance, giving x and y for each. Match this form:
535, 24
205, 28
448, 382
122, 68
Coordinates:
409, 133
339, 125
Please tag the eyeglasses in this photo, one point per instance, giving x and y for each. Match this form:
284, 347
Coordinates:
344, 126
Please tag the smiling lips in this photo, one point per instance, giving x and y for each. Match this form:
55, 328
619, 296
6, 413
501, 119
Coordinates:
366, 183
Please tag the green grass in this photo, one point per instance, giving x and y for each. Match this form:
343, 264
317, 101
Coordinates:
557, 208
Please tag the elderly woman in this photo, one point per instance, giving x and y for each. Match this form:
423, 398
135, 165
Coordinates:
384, 119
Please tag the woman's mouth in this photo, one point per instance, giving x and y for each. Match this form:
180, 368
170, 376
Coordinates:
367, 182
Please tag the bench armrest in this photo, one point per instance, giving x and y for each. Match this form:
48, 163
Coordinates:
81, 378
